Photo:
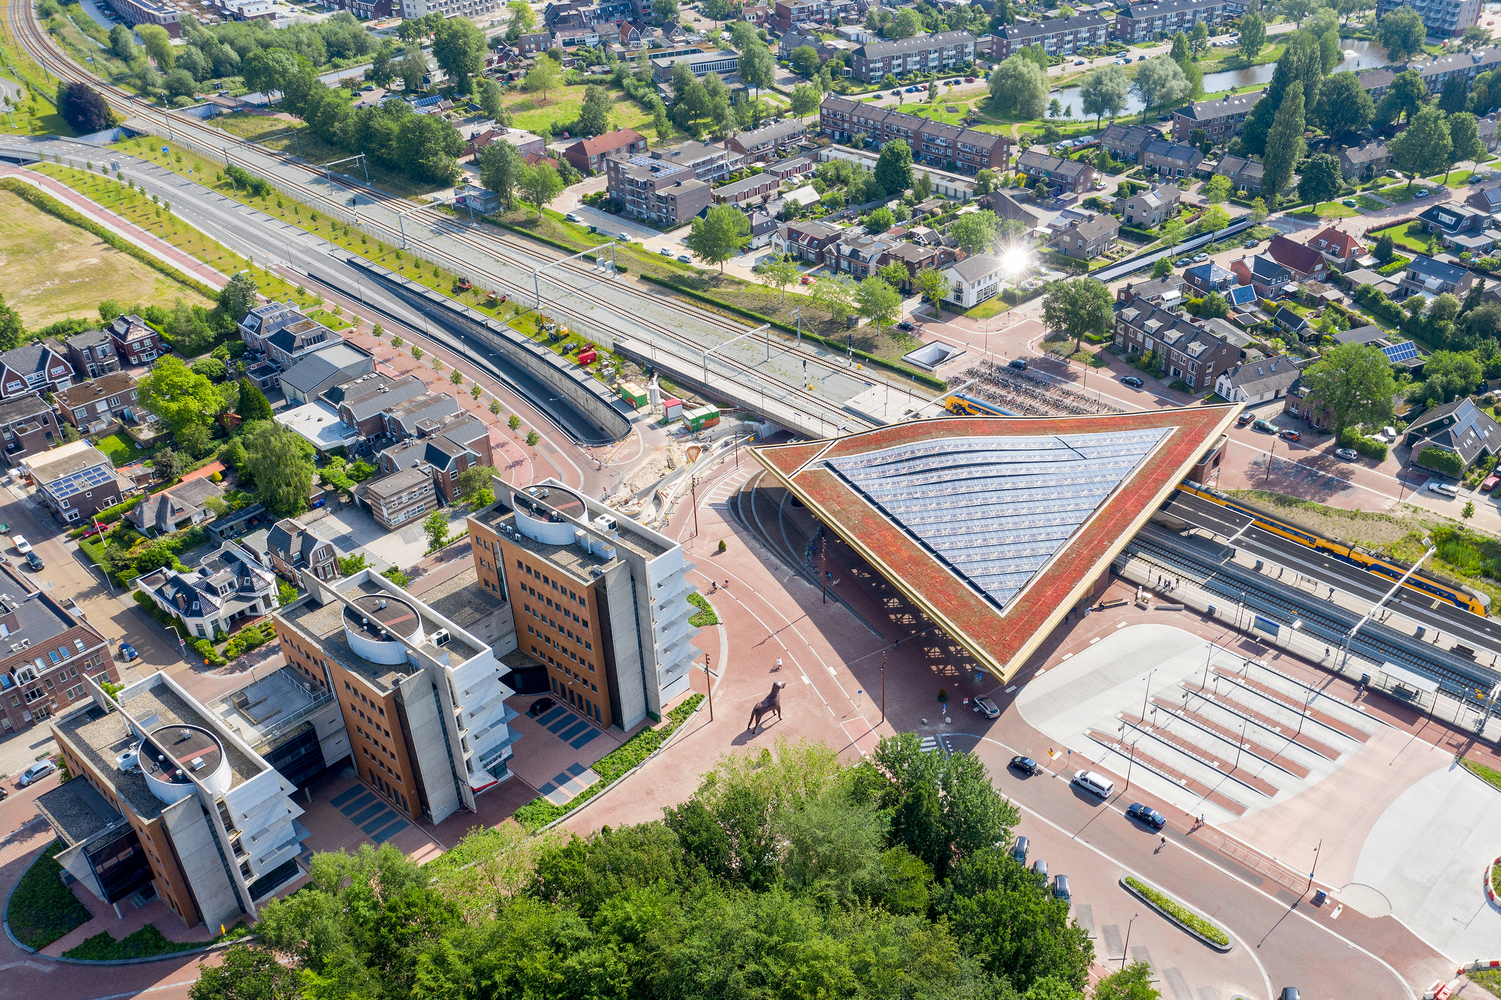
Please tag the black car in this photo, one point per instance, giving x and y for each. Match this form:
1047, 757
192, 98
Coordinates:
35, 561
1020, 364
539, 706
1026, 765
906, 324
1146, 816
1132, 381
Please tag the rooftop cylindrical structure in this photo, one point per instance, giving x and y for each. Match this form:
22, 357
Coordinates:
170, 754
549, 514
374, 625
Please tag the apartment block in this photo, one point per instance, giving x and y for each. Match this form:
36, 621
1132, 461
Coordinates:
420, 695
935, 52
1219, 119
935, 144
1060, 36
169, 801
1442, 18
1144, 22
46, 649
603, 602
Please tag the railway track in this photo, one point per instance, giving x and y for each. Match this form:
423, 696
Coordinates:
505, 249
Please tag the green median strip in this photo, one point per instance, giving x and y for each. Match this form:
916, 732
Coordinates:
1178, 913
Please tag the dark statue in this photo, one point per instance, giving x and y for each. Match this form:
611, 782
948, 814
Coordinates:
771, 703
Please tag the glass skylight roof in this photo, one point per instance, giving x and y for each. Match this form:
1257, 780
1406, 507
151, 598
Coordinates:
994, 510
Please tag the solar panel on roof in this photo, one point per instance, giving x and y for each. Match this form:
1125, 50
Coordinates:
1404, 351
995, 510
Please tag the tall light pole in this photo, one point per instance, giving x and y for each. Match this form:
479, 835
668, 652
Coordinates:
1126, 949
1315, 864
709, 678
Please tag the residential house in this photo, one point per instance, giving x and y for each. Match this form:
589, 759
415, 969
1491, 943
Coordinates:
1258, 381
1452, 220
739, 193
925, 53
947, 147
1305, 262
974, 280
1088, 238
27, 426
858, 256
92, 353
1148, 209
293, 549
135, 343
1375, 81
917, 257
1245, 174
1219, 119
283, 333
75, 481
1171, 159
398, 498
1058, 174
1427, 276
767, 141
323, 369
1144, 22
1340, 249
1364, 161
51, 648
1006, 207
1485, 197
1270, 279
1290, 322
1209, 277
807, 240
1166, 291
1186, 351
179, 507
1460, 428
1125, 142
359, 404
792, 166
35, 367
531, 43
1489, 136
1477, 244
1059, 36
588, 155
1365, 335
94, 406
229, 586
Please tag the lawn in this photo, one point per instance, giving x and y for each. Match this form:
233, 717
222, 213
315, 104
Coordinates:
331, 321
1368, 203
55, 270
120, 449
20, 67
144, 943
561, 108
939, 112
1409, 235
1400, 193
1326, 210
1458, 179
42, 909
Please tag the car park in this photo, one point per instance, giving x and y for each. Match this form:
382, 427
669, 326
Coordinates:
1133, 381
128, 652
35, 561
1146, 816
1264, 426
36, 772
539, 706
987, 708
1288, 435
1026, 765
1348, 454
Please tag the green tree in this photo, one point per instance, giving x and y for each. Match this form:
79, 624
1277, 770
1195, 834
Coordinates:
280, 462
1217, 189
779, 274
523, 18
1162, 268
877, 301
1465, 141
158, 45
1214, 306
1105, 91
721, 233
500, 170
594, 115
11, 327
805, 99
1355, 382
1160, 82
246, 972
1400, 32
459, 48
1455, 95
1198, 39
1385, 248
804, 59
513, 423
665, 11
976, 232
1284, 145
177, 395
411, 69
1343, 106
474, 481
1424, 146
757, 67
1018, 88
933, 286
1404, 96
894, 167
544, 76
436, 529
1475, 36
122, 42
540, 184
1252, 36
1134, 982
1322, 179
238, 297
1447, 376
837, 295
1258, 211
1297, 10
252, 404
878, 221
1076, 308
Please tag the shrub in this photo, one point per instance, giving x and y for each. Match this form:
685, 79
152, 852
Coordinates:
1178, 912
1442, 460
396, 576
722, 545
217, 477
1374, 300
1369, 447
706, 615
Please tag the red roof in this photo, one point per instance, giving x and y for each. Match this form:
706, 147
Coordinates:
609, 141
1000, 640
1332, 239
1294, 256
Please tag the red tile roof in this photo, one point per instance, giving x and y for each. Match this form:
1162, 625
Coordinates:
609, 141
1332, 239
1000, 640
1294, 256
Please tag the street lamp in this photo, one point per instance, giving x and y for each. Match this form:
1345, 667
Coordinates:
181, 645
1126, 950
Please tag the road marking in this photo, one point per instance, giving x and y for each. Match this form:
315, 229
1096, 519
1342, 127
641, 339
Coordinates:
1095, 640
1066, 656
1011, 688
1122, 624
831, 671
806, 680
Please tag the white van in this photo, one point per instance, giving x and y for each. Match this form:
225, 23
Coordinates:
1096, 784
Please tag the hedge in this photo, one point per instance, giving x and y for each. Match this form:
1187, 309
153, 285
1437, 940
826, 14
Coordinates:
1442, 460
539, 812
1370, 447
50, 205
1396, 265
1139, 235
925, 379
1179, 913
1375, 301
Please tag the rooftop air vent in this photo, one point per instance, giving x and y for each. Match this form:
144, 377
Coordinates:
184, 734
441, 637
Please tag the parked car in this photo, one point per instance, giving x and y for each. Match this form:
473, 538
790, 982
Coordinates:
1490, 483
128, 652
1288, 993
665, 251
35, 561
987, 708
1248, 244
1184, 261
1078, 62
907, 325
1350, 455
1026, 765
896, 93
806, 279
573, 217
1133, 381
1421, 193
1019, 850
685, 258
1444, 489
1264, 426
1200, 258
1146, 816
1244, 418
539, 706
36, 772
969, 79
1060, 887
1020, 364
624, 238
1349, 203
1040, 869
1288, 435
21, 544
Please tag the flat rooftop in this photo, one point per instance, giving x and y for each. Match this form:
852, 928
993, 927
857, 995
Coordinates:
325, 625
997, 527
627, 534
462, 600
77, 812
263, 708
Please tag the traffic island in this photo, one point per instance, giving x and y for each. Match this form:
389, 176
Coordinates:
1186, 917
1493, 882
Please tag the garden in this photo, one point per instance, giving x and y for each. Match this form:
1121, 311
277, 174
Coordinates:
41, 908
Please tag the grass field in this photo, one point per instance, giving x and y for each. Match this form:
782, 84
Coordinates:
1327, 210
531, 112
53, 270
42, 909
1409, 235
36, 113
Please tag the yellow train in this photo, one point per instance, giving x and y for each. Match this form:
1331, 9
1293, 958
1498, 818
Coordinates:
963, 405
1460, 597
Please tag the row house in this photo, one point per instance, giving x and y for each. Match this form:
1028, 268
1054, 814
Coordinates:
931, 53
807, 240
1059, 174
1144, 22
1166, 291
1486, 197
1245, 175
135, 342
1125, 142
52, 648
1171, 159
27, 426
75, 481
1062, 36
768, 140
361, 404
228, 587
293, 549
36, 367
757, 14
789, 14
745, 190
1150, 208
92, 353
1364, 161
1088, 238
1465, 65
1265, 276
1305, 263
531, 43
1219, 119
1186, 351
588, 155
948, 147
95, 405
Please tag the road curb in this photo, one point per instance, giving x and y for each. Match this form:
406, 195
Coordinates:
1490, 883
1222, 948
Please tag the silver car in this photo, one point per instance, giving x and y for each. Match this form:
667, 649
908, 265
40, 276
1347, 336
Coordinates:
987, 708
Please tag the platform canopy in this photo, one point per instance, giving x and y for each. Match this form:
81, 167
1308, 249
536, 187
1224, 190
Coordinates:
997, 526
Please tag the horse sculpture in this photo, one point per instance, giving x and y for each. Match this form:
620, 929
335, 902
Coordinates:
771, 703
